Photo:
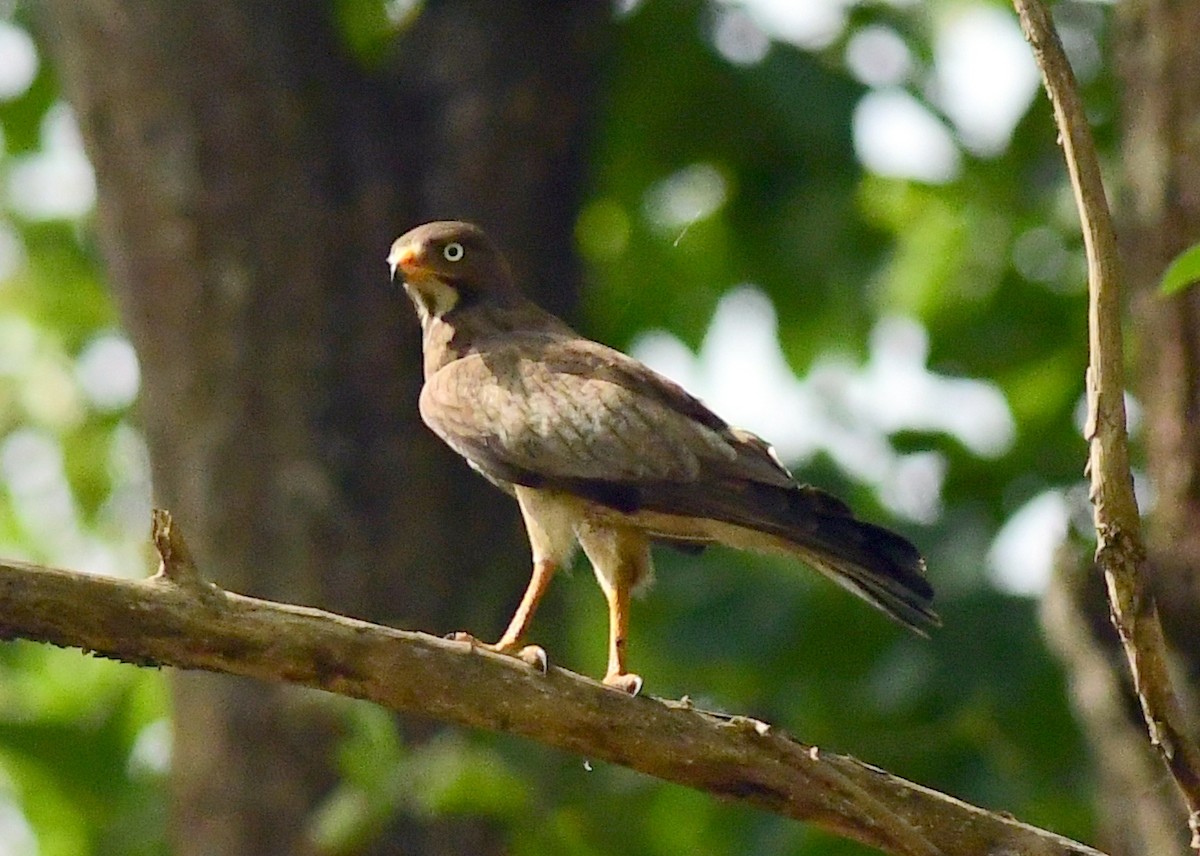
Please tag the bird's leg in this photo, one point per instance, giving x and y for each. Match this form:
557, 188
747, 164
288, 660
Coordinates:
617, 594
543, 571
510, 642
621, 559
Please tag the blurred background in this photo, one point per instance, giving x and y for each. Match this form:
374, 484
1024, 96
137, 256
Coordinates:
844, 225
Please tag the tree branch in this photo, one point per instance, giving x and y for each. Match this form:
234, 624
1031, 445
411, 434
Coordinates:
1120, 551
1134, 814
175, 618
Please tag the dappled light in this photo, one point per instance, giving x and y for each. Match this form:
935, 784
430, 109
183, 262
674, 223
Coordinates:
1022, 556
844, 226
694, 193
55, 182
738, 37
845, 411
983, 77
895, 135
878, 56
813, 24
108, 373
18, 61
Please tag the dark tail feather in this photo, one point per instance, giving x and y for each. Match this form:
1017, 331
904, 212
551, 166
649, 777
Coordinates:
878, 565
875, 563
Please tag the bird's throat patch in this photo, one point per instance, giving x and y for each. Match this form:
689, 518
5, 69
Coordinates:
432, 297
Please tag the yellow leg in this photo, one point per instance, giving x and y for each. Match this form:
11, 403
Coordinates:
510, 642
621, 558
549, 521
543, 572
618, 628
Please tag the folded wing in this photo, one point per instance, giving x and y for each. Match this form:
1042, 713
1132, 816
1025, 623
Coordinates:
557, 412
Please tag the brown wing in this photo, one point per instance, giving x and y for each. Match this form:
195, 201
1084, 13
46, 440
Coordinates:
553, 410
546, 410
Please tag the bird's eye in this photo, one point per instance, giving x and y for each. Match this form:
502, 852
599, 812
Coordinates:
453, 252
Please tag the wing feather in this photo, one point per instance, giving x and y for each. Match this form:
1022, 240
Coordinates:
565, 413
551, 409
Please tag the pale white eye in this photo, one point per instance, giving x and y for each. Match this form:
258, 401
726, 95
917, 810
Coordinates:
453, 252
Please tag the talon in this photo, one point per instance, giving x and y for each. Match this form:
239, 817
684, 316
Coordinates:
461, 636
534, 655
626, 682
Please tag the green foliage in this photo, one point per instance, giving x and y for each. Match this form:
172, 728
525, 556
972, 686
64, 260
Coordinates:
771, 142
706, 174
82, 741
450, 774
991, 264
1182, 272
368, 27
70, 729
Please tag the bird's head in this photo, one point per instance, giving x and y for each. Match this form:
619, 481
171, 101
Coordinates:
448, 265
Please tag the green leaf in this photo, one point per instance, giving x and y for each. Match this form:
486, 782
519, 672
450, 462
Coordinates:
1182, 272
368, 27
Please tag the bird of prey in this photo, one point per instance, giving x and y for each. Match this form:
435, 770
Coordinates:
602, 452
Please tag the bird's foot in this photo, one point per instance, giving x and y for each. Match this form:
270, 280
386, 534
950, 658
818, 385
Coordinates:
462, 636
626, 682
531, 655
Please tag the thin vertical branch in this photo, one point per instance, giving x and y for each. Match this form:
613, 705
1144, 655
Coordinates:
1120, 552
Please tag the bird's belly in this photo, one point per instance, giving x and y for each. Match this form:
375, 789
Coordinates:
657, 524
551, 520
554, 519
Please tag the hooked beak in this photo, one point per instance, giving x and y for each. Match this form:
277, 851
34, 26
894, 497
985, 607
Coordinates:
402, 258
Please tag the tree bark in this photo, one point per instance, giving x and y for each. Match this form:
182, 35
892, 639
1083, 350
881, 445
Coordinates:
178, 618
1159, 67
251, 176
1159, 214
1137, 814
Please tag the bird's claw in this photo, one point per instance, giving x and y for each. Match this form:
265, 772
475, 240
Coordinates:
534, 655
530, 655
461, 636
626, 682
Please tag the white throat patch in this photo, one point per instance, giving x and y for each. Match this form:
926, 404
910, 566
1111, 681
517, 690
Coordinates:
433, 298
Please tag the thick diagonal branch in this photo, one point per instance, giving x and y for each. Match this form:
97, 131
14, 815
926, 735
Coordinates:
175, 619
1120, 551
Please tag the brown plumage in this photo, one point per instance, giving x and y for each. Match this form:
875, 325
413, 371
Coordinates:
603, 452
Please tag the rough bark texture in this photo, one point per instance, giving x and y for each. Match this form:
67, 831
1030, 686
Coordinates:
251, 176
1159, 68
1136, 813
176, 618
1159, 215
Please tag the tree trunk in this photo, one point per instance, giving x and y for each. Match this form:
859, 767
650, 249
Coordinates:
251, 176
1159, 212
1160, 67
